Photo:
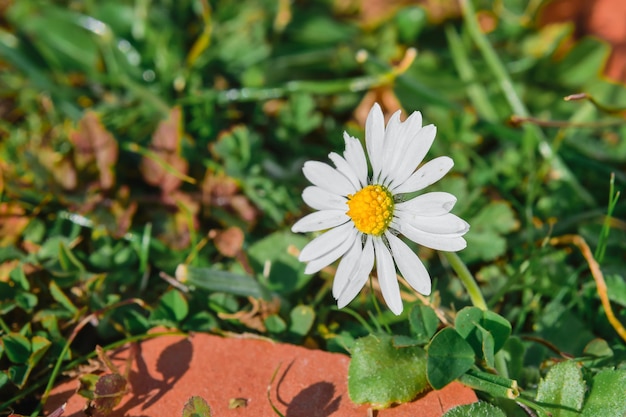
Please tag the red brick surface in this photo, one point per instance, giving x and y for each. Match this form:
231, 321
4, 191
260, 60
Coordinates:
310, 383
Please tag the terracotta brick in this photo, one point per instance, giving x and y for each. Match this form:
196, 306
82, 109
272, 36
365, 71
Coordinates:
167, 370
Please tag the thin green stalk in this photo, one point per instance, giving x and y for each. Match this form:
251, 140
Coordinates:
500, 364
606, 225
377, 307
356, 316
246, 94
476, 92
467, 279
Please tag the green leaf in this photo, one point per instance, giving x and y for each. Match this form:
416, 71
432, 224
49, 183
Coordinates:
487, 344
26, 301
87, 385
68, 261
584, 60
172, 308
275, 324
286, 272
4, 379
607, 397
514, 351
202, 321
17, 347
423, 322
17, 276
196, 407
449, 356
220, 281
381, 374
61, 298
18, 374
7, 291
598, 348
476, 326
616, 288
302, 318
40, 346
135, 322
563, 390
485, 238
479, 409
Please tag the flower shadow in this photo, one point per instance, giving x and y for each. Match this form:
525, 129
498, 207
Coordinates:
316, 400
146, 390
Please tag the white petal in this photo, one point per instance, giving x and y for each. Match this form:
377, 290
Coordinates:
374, 136
327, 177
387, 277
326, 242
320, 220
410, 266
429, 173
320, 199
328, 258
414, 152
429, 204
391, 148
448, 243
404, 135
355, 283
446, 224
345, 168
355, 155
347, 268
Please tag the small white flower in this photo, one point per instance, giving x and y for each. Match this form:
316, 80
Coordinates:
365, 215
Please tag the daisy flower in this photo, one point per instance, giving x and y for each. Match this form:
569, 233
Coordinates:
364, 213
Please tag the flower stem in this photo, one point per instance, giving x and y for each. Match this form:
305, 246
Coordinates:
467, 279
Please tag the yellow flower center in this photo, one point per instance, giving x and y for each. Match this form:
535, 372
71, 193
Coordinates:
371, 209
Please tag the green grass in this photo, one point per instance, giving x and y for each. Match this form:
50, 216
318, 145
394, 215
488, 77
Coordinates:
138, 136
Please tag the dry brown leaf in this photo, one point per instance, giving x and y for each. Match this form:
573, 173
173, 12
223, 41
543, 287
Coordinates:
93, 143
384, 96
230, 241
255, 317
244, 209
123, 209
177, 234
13, 221
219, 190
166, 146
59, 166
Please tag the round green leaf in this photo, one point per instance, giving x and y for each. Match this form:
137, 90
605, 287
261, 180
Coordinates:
275, 324
286, 273
479, 409
485, 331
172, 308
381, 374
302, 318
449, 356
